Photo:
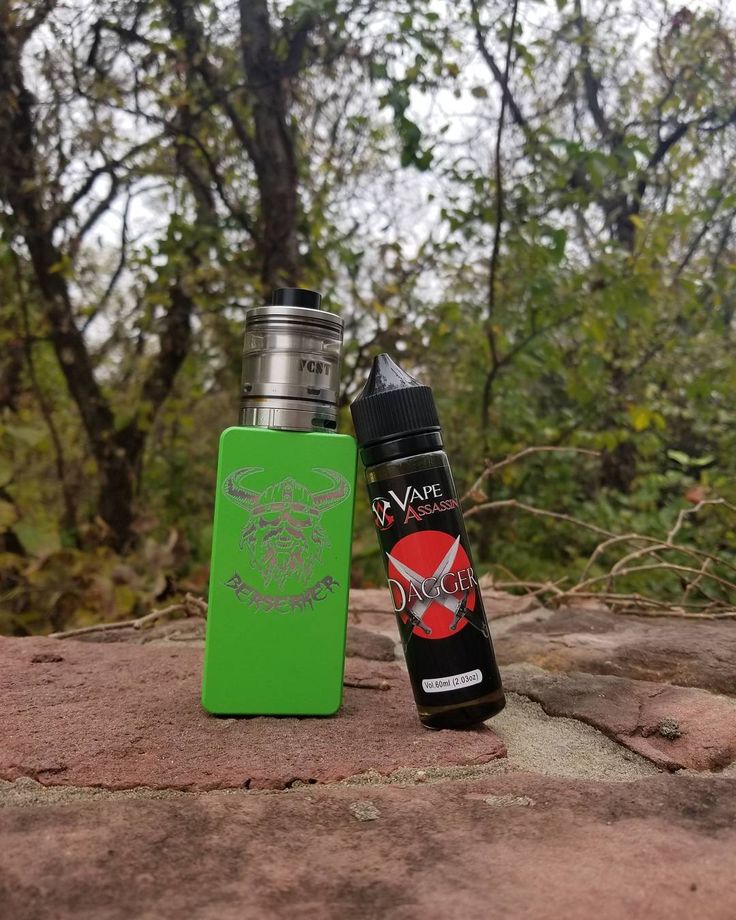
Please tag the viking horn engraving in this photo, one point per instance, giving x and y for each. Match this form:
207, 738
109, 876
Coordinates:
233, 488
338, 490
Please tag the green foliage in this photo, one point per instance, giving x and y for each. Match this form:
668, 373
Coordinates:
608, 323
52, 590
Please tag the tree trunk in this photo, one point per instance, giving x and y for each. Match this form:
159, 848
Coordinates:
116, 452
618, 467
272, 148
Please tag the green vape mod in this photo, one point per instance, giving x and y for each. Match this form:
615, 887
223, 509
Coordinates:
282, 530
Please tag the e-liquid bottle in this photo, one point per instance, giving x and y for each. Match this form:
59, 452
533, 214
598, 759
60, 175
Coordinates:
282, 529
416, 511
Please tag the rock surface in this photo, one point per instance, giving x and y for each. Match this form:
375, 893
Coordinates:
119, 716
666, 649
525, 845
363, 643
122, 798
674, 727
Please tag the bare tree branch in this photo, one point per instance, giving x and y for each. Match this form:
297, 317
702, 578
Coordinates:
491, 468
70, 511
708, 563
496, 250
501, 76
590, 81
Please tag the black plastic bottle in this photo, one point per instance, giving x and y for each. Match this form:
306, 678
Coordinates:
416, 511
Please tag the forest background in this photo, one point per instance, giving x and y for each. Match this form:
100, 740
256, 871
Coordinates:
531, 204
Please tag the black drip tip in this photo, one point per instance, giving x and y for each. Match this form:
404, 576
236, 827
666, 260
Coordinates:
392, 405
296, 297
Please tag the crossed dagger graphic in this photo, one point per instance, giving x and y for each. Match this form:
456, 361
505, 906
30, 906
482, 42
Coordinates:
419, 606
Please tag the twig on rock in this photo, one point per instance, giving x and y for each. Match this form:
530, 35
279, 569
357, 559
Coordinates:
366, 683
658, 566
533, 588
191, 605
640, 608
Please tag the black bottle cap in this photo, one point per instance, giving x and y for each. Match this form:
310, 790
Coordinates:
392, 406
296, 297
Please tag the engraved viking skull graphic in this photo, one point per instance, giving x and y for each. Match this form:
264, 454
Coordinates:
283, 534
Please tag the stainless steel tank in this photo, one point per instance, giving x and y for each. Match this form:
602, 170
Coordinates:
291, 363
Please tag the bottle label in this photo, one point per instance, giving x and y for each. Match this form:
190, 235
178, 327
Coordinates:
434, 588
439, 684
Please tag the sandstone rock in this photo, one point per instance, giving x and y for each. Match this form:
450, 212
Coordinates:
666, 649
364, 643
381, 624
177, 629
555, 746
500, 604
371, 600
119, 715
515, 846
674, 727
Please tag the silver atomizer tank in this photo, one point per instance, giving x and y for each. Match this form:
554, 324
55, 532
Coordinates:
291, 364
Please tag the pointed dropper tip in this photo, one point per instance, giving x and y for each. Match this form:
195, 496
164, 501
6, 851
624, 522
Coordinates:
394, 407
386, 375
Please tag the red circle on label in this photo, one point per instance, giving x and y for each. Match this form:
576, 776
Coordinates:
432, 582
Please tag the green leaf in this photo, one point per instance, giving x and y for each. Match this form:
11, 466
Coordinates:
8, 515
39, 541
6, 471
641, 417
32, 435
680, 457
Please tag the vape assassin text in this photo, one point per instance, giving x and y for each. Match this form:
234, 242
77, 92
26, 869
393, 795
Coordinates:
282, 528
430, 571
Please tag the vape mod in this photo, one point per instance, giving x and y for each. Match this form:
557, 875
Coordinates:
282, 527
430, 572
